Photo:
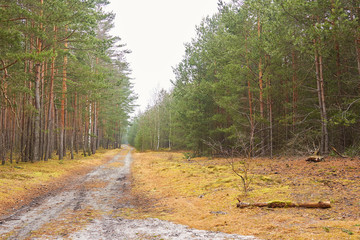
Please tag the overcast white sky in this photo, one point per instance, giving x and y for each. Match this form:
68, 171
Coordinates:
155, 31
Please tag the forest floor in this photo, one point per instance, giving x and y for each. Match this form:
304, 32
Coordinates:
202, 193
81, 199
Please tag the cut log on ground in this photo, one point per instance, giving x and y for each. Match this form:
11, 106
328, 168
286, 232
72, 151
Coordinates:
285, 204
315, 158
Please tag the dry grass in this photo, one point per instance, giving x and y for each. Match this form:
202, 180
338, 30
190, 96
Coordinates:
202, 194
20, 183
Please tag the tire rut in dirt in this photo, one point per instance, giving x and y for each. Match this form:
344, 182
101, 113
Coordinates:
44, 209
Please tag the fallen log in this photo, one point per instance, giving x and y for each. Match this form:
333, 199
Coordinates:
284, 204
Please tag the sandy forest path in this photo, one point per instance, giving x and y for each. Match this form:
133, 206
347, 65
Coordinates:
87, 210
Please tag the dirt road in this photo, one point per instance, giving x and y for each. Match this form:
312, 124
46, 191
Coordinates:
87, 210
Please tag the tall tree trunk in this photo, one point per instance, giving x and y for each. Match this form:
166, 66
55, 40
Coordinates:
13, 132
89, 129
63, 102
37, 129
6, 108
22, 138
2, 136
357, 46
28, 134
57, 133
65, 128
321, 95
251, 119
294, 90
269, 110
325, 119
23, 126
94, 138
51, 101
98, 137
85, 139
38, 67
285, 84
357, 34
76, 141
37, 113
42, 113
72, 134
3, 127
261, 95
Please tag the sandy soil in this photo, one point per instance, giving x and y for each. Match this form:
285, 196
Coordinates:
87, 210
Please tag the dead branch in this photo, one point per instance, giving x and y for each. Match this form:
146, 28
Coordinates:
336, 151
9, 65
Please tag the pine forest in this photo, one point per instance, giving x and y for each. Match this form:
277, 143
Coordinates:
263, 78
65, 85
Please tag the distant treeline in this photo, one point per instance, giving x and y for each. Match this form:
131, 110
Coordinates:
263, 77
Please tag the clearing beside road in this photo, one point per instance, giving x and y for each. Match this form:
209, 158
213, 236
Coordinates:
202, 193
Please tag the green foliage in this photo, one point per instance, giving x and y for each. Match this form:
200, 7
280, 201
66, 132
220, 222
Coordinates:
219, 79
